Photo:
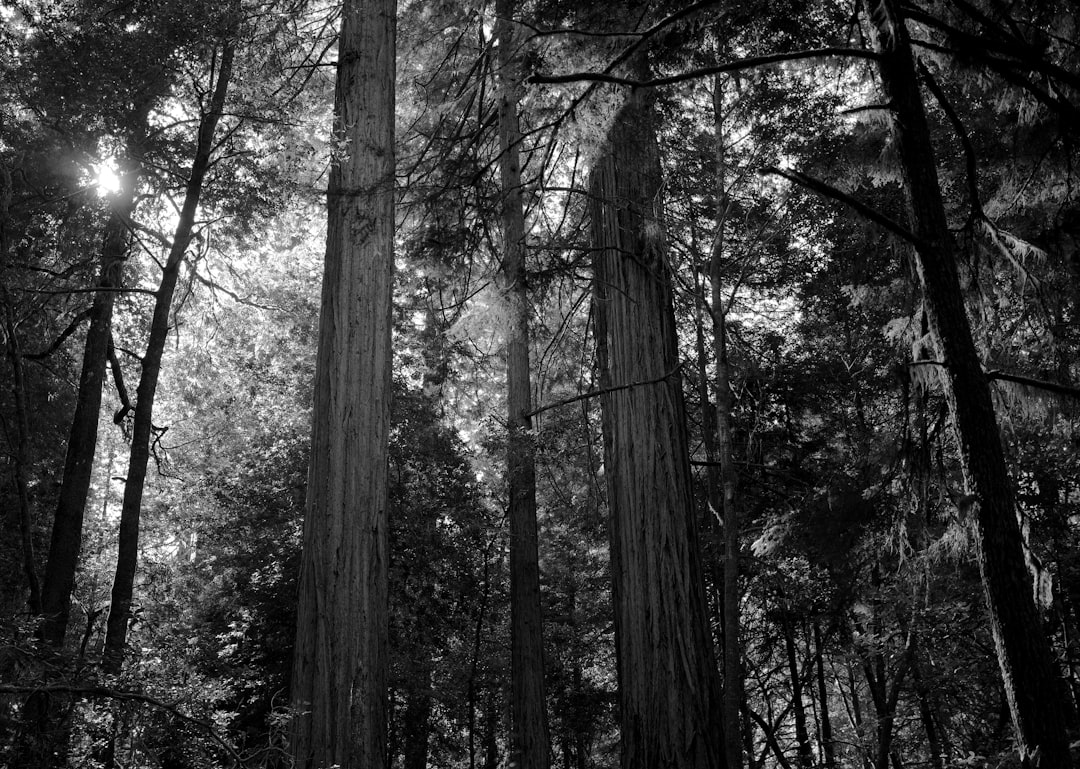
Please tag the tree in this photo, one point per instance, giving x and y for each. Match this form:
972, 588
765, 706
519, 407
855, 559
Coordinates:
339, 667
142, 427
1041, 714
669, 687
530, 744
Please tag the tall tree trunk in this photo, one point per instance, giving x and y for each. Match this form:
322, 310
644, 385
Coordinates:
725, 404
529, 739
828, 747
804, 753
142, 425
669, 688
66, 541
1041, 714
340, 659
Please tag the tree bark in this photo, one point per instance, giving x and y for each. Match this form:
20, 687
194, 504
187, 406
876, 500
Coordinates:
828, 747
142, 425
804, 753
725, 404
66, 540
669, 688
1041, 714
529, 738
341, 655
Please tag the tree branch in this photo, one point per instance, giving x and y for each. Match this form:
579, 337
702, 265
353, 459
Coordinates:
732, 66
128, 696
75, 323
829, 191
602, 391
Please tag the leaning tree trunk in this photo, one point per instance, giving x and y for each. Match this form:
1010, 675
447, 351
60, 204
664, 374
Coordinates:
669, 688
529, 740
142, 424
1041, 714
341, 656
67, 529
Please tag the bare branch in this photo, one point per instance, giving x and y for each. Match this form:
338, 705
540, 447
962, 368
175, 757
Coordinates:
602, 391
829, 191
738, 65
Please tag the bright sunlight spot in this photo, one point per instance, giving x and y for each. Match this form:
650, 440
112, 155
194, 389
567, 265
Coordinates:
106, 179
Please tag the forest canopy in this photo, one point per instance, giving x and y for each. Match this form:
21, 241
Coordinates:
674, 385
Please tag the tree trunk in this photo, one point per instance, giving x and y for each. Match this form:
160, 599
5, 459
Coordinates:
529, 740
669, 687
828, 748
725, 403
66, 541
142, 425
804, 753
1041, 714
340, 659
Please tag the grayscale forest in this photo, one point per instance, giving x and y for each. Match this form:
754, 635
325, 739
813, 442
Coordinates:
539, 384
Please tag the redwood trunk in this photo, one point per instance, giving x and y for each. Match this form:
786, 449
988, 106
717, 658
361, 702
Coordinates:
529, 739
142, 425
669, 688
341, 656
1041, 714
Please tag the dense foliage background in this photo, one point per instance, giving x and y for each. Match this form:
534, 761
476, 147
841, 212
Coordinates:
864, 634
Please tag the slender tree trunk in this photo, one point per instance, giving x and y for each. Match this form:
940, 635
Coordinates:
708, 432
828, 747
669, 687
142, 425
340, 660
725, 404
1041, 714
529, 740
804, 753
491, 730
67, 529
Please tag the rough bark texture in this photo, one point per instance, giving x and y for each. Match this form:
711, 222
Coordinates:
66, 541
529, 740
1041, 713
142, 424
669, 688
341, 657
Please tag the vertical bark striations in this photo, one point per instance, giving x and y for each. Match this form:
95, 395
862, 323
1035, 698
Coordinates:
670, 693
340, 658
1040, 712
529, 741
